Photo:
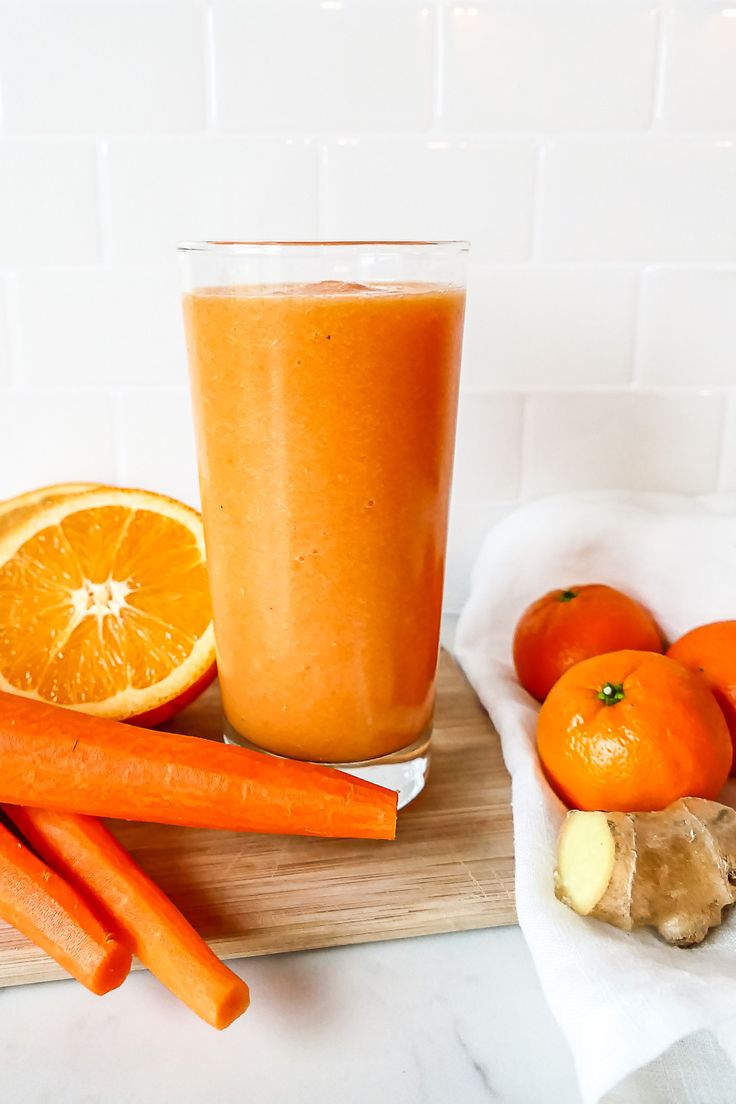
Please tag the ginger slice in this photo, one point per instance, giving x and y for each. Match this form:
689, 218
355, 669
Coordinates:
586, 855
673, 870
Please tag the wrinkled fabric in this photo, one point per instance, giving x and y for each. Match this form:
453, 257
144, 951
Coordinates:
622, 999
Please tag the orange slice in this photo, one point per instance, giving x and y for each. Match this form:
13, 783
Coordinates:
104, 604
14, 510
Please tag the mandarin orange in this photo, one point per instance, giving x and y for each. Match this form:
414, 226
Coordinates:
632, 731
566, 626
711, 650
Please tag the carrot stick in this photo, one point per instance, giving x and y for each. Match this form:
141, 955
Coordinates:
89, 857
53, 915
72, 762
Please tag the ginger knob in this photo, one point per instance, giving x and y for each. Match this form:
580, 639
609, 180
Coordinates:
673, 870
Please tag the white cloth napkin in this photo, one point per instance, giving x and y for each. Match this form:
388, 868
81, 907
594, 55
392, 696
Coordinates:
621, 998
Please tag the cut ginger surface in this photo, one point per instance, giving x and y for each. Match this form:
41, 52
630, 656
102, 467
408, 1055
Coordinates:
104, 605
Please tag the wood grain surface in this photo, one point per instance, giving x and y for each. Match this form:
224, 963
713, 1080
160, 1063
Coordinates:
451, 867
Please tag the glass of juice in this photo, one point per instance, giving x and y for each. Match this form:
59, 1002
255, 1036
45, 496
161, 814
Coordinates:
324, 380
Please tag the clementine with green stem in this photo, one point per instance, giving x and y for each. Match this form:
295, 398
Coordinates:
632, 731
566, 626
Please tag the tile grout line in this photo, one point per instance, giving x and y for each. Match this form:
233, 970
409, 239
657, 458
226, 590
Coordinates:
454, 136
726, 419
635, 380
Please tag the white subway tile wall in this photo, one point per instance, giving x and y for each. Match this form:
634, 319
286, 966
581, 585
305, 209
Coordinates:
728, 459
699, 89
53, 435
664, 442
531, 66
639, 198
96, 67
156, 440
488, 452
5, 374
325, 65
432, 189
550, 325
687, 327
49, 201
470, 522
164, 190
587, 148
115, 326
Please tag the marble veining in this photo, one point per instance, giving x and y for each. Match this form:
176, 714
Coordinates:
449, 1019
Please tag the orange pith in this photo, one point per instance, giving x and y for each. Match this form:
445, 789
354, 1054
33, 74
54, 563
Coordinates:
18, 509
104, 603
39, 494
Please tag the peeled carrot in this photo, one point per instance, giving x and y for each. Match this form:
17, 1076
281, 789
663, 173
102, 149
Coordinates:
52, 914
89, 857
69, 761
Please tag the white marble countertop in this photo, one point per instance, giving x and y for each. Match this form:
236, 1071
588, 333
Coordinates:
447, 1019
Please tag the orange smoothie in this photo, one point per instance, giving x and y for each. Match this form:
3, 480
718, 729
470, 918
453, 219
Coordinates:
325, 418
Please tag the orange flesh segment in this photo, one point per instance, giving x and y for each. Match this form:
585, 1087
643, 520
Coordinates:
107, 599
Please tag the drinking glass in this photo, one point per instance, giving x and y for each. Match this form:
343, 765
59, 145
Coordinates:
324, 380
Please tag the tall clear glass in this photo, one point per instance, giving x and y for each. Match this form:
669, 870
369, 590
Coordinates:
324, 380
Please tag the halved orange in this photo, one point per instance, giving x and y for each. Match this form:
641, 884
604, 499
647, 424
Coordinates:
16, 509
104, 605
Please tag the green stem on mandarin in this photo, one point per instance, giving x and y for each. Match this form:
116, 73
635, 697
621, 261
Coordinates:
611, 692
568, 595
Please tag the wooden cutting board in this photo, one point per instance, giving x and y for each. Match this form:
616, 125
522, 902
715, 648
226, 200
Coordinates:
451, 867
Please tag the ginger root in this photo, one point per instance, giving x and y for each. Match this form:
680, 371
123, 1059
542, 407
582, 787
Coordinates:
673, 870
